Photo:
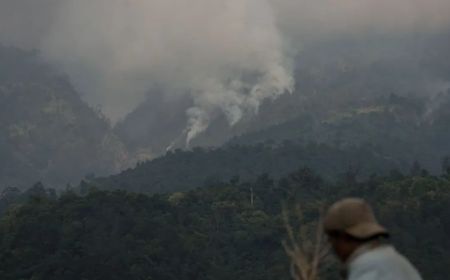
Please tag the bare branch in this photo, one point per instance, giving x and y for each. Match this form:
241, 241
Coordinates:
305, 252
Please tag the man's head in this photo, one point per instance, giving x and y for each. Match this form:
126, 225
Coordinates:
349, 223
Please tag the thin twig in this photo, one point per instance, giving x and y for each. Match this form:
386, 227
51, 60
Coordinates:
305, 260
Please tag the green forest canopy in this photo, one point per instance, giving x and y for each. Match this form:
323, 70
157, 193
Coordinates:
208, 233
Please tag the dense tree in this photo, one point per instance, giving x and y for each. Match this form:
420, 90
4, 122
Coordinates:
215, 232
183, 170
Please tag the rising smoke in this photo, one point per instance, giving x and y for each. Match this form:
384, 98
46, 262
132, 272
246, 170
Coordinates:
227, 56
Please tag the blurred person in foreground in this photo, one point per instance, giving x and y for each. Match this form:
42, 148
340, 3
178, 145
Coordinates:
360, 243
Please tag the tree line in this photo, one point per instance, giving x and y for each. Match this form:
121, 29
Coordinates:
229, 229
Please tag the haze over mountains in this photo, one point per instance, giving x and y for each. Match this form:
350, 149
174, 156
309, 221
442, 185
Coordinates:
48, 133
385, 95
365, 74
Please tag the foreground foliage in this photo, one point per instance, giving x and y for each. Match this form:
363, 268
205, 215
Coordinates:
218, 232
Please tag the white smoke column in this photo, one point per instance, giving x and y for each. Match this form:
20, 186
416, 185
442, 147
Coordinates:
227, 55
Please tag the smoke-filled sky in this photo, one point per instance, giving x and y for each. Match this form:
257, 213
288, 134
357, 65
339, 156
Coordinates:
227, 56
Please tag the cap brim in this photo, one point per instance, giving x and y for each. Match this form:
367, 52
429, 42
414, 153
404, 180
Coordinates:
366, 230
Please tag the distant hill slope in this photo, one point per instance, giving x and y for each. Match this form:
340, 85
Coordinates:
47, 133
333, 77
184, 170
390, 133
404, 129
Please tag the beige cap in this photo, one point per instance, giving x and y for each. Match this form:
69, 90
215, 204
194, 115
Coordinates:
353, 216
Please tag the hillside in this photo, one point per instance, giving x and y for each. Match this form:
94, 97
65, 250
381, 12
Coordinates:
47, 132
390, 132
184, 170
335, 77
403, 129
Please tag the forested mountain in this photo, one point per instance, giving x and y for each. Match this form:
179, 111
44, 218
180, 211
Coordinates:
183, 170
186, 140
386, 100
46, 131
402, 129
334, 77
215, 213
218, 232
391, 132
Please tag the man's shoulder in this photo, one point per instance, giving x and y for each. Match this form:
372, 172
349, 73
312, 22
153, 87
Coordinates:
385, 262
382, 254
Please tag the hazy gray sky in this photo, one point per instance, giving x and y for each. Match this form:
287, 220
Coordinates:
26, 21
227, 55
324, 17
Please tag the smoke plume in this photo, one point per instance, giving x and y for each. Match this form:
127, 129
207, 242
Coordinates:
227, 56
